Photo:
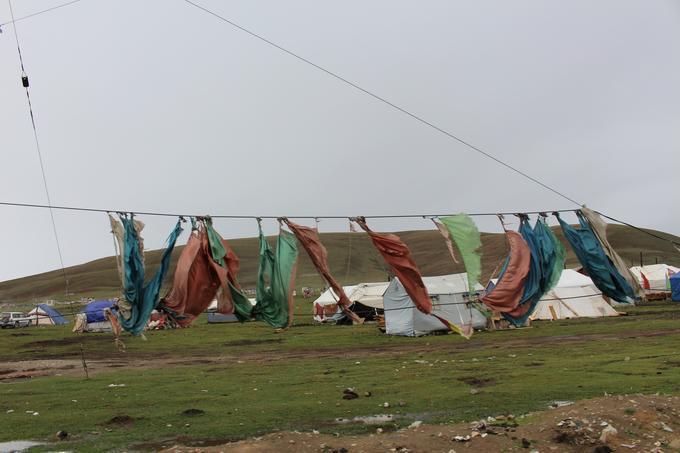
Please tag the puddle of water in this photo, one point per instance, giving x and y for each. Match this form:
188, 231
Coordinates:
367, 419
17, 445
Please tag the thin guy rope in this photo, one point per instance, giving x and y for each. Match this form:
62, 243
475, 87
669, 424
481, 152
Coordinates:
383, 100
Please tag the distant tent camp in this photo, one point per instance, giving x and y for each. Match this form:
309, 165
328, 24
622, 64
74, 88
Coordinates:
93, 319
44, 315
366, 298
656, 275
450, 302
215, 317
574, 296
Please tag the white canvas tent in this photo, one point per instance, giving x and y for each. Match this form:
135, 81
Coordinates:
450, 302
574, 296
44, 315
369, 294
656, 274
216, 318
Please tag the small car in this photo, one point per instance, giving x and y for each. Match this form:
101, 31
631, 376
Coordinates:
14, 319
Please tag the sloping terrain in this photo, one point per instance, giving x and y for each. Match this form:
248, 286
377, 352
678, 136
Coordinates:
352, 260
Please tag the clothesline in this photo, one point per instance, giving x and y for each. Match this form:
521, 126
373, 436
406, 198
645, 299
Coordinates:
319, 217
254, 217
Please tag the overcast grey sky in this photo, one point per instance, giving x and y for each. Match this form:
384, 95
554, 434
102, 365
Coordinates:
154, 105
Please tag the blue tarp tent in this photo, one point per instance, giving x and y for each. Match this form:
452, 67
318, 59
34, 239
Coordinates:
675, 287
43, 314
95, 310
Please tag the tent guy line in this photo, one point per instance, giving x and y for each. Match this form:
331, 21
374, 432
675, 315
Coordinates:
25, 83
37, 13
384, 101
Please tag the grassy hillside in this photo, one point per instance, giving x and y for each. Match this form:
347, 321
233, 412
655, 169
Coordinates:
352, 259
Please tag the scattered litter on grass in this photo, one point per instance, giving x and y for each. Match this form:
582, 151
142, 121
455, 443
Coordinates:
558, 403
349, 394
367, 419
18, 445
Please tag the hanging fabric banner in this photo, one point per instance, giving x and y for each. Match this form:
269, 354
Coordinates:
595, 262
533, 283
599, 228
139, 299
398, 257
552, 252
507, 293
275, 280
462, 229
200, 278
309, 238
225, 263
192, 285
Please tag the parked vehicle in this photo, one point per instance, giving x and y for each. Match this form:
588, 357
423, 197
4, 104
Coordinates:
14, 319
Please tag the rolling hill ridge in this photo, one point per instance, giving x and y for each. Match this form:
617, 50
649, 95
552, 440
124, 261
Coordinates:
352, 259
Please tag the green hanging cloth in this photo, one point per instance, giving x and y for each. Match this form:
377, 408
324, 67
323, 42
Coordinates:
140, 298
275, 280
552, 252
464, 233
242, 308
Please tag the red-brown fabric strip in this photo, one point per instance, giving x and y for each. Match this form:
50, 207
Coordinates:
398, 256
506, 295
198, 278
309, 238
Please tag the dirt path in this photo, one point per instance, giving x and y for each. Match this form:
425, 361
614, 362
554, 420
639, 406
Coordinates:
98, 363
635, 423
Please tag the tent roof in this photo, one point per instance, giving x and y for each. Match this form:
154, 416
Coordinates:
572, 277
327, 297
369, 294
449, 284
213, 304
568, 279
95, 310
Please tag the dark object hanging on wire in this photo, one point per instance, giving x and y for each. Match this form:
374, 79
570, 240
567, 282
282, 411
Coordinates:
24, 80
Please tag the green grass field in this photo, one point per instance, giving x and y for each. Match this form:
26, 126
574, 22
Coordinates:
249, 380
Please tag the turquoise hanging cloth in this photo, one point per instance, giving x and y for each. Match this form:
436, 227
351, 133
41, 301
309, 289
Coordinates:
140, 299
595, 262
532, 286
552, 254
275, 280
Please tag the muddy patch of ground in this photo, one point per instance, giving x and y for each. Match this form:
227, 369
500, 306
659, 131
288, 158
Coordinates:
248, 342
630, 423
477, 382
101, 360
124, 421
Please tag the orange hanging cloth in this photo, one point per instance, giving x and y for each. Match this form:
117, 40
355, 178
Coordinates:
199, 280
309, 238
398, 256
507, 294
